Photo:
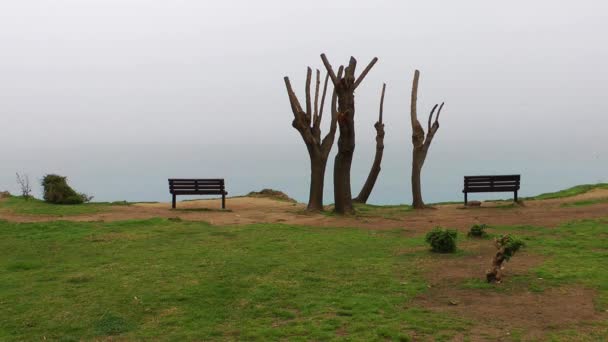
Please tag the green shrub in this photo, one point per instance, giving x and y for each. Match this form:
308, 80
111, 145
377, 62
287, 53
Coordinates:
442, 240
478, 230
57, 191
511, 245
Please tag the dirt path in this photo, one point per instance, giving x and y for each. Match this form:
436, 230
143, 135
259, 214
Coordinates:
247, 210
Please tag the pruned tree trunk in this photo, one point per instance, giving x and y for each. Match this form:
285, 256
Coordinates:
308, 123
506, 247
345, 87
367, 188
494, 274
420, 143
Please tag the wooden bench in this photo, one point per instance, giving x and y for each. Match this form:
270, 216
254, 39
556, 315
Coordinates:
500, 183
197, 187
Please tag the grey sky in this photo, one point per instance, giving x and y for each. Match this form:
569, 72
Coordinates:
208, 72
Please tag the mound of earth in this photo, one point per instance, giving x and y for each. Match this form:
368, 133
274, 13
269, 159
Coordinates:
272, 194
4, 194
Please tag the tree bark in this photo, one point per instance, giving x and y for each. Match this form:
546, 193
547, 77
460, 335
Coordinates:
317, 179
367, 188
345, 87
308, 123
420, 143
417, 201
494, 274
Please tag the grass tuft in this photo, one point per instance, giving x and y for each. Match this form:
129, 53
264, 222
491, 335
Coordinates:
111, 324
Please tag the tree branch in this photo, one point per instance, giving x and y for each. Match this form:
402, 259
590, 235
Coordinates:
365, 71
381, 103
430, 118
328, 141
350, 69
330, 71
417, 131
432, 129
320, 117
296, 108
316, 108
414, 100
439, 112
308, 105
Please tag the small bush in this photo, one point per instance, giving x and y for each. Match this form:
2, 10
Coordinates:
442, 240
24, 184
57, 191
478, 230
511, 245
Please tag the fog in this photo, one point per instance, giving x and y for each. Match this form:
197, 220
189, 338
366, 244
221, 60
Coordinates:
120, 95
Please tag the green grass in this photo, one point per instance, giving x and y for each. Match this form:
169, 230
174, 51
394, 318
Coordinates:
573, 191
384, 211
577, 253
162, 279
19, 205
177, 280
585, 202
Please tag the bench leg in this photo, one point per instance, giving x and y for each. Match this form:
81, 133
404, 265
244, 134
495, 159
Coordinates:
516, 196
465, 199
173, 202
224, 201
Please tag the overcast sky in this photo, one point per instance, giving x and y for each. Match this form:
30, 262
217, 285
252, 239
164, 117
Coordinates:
209, 72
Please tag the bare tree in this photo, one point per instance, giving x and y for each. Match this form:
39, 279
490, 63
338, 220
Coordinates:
421, 144
345, 87
24, 184
308, 123
367, 188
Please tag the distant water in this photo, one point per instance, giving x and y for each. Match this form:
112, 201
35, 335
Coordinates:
140, 172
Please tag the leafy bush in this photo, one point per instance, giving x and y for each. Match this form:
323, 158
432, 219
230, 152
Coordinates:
442, 240
478, 230
511, 245
57, 191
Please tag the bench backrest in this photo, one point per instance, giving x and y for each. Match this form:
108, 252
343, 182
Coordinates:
196, 186
491, 183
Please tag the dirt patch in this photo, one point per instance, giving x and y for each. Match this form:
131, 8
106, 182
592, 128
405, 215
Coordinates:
456, 268
500, 311
247, 210
534, 313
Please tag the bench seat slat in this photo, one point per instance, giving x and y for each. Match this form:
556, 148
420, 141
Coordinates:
491, 190
196, 180
494, 177
201, 187
193, 182
192, 192
490, 183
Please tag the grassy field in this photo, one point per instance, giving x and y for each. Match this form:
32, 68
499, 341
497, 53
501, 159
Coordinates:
177, 280
185, 280
19, 205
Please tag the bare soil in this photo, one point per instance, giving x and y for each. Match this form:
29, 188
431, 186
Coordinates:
247, 210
